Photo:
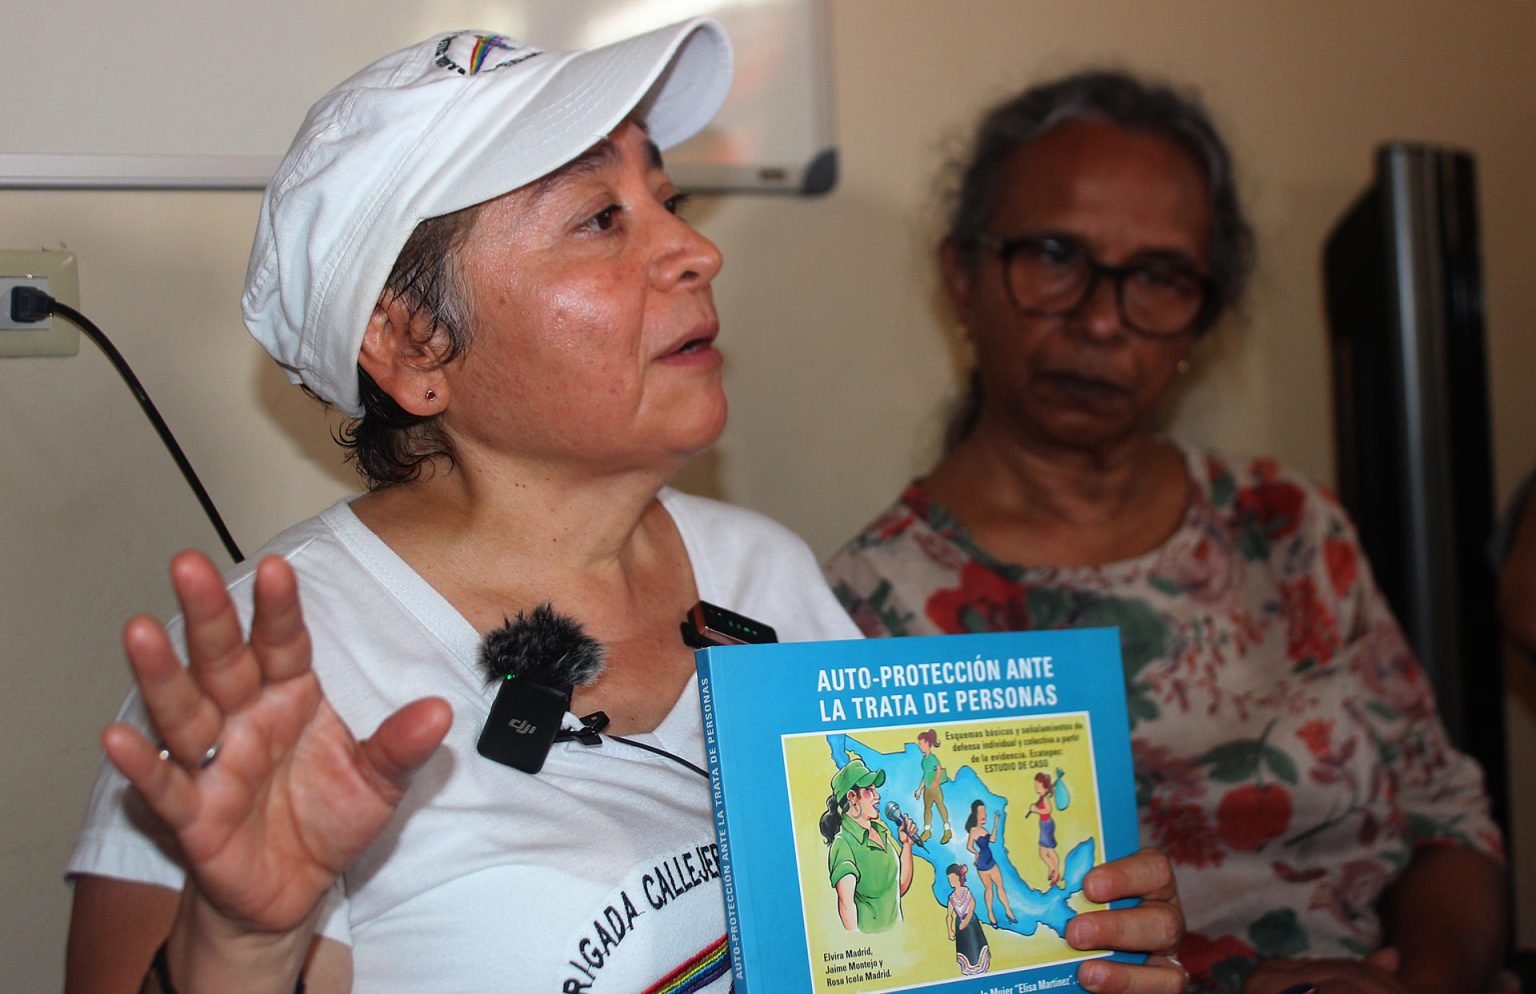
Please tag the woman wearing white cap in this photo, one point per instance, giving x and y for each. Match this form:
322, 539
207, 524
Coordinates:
472, 248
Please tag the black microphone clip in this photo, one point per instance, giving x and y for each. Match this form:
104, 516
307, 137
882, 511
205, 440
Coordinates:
588, 733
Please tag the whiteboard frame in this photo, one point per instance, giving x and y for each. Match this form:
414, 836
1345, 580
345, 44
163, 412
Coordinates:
152, 172
119, 171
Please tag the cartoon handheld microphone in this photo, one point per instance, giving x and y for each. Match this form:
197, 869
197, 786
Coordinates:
903, 821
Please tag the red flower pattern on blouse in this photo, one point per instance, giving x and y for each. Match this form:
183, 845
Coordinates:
1200, 954
1318, 736
1253, 814
1311, 633
1343, 564
1259, 610
1182, 831
1275, 505
892, 523
1388, 671
996, 603
1168, 771
1350, 896
1202, 570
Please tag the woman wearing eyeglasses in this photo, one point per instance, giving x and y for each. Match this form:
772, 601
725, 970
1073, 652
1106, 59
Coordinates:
1289, 758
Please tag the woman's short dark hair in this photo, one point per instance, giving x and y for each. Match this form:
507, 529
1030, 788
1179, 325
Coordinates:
1133, 104
388, 444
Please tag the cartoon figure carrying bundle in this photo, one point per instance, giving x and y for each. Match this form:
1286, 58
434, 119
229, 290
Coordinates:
1047, 791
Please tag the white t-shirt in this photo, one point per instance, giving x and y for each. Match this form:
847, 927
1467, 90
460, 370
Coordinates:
597, 875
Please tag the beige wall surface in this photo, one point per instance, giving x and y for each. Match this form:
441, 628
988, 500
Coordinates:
840, 357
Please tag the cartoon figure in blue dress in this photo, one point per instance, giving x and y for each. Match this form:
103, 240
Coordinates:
979, 841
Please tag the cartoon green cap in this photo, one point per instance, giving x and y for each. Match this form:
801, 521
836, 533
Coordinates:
855, 774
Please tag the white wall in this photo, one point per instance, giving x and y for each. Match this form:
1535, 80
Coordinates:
838, 359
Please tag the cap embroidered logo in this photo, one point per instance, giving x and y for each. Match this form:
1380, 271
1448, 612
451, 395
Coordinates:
452, 54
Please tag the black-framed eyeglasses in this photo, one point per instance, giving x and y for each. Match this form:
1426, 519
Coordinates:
1049, 276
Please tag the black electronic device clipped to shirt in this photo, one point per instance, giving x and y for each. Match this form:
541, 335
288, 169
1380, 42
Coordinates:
538, 659
524, 719
710, 624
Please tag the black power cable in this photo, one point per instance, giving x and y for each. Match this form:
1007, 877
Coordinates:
30, 304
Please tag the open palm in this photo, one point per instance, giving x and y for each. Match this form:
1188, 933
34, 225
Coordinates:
291, 796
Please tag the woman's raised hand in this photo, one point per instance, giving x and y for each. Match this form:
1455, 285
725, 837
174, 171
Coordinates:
268, 793
1156, 926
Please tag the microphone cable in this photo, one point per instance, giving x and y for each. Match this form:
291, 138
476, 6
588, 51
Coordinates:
591, 733
29, 304
660, 752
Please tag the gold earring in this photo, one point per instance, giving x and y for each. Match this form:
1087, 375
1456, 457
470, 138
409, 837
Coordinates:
1183, 366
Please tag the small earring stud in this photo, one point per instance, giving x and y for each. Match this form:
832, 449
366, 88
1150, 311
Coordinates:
1183, 366
431, 394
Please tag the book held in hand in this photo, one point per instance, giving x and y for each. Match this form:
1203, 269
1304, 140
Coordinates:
916, 813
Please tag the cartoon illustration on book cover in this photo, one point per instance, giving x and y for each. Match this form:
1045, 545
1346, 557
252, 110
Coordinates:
931, 790
1049, 789
868, 866
971, 951
887, 902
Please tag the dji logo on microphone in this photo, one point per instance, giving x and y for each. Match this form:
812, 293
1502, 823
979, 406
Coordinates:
522, 726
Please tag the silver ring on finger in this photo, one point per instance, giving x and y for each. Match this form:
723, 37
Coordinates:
209, 756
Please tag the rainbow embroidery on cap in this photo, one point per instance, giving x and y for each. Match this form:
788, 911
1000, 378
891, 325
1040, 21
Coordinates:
482, 48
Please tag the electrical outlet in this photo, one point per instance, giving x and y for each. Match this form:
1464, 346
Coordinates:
53, 272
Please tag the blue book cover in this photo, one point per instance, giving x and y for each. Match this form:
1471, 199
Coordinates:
1005, 756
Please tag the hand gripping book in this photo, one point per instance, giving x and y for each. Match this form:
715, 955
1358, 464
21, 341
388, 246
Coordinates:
915, 813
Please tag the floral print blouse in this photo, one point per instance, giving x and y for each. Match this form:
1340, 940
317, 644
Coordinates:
1287, 749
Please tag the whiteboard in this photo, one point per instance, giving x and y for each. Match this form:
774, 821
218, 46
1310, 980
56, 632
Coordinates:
208, 93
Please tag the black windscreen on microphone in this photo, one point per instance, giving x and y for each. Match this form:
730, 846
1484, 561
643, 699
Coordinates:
542, 646
538, 658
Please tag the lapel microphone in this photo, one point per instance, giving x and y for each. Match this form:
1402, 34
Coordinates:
538, 659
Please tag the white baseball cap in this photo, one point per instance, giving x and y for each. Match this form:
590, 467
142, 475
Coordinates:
451, 122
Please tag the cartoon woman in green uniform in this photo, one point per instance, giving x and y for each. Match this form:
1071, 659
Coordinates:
931, 790
867, 867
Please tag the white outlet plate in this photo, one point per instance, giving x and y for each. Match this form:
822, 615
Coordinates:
56, 273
